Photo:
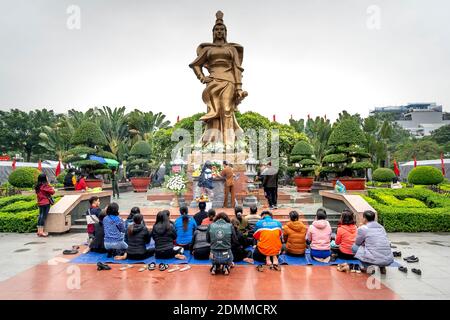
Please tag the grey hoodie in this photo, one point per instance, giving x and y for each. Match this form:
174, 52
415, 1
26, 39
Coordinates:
374, 246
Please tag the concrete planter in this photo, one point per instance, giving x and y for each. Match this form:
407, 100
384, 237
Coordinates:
94, 183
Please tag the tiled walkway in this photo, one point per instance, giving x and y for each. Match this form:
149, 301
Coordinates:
60, 282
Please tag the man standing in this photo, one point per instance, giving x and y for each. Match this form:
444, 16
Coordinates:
228, 174
115, 183
270, 185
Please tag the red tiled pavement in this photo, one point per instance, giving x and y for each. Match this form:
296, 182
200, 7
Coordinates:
293, 282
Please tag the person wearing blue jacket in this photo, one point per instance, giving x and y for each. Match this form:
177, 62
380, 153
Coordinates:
185, 227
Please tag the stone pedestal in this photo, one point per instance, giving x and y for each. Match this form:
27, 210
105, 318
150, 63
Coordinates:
197, 159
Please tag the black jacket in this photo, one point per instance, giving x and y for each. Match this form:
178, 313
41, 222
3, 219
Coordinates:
68, 184
238, 242
199, 216
270, 178
138, 239
98, 243
199, 238
163, 238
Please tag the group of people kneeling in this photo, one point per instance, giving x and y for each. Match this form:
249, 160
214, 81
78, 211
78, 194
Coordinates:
246, 237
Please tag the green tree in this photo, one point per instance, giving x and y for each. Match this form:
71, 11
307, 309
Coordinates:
113, 123
423, 149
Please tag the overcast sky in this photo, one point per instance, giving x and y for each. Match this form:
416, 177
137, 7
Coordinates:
301, 57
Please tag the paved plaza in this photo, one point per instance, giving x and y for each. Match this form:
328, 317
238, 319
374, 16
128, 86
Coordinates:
34, 268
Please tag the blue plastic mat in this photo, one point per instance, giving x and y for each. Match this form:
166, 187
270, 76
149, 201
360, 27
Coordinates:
93, 258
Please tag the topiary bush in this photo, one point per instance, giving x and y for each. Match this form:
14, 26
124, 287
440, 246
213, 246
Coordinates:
24, 177
302, 159
383, 175
139, 159
346, 156
425, 175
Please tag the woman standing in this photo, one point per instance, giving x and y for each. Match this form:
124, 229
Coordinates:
44, 193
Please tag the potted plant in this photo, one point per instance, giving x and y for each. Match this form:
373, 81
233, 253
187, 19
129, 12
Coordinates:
302, 162
139, 167
346, 158
177, 184
88, 154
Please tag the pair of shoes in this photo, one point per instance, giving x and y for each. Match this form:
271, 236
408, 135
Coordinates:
151, 266
260, 268
101, 266
397, 254
411, 259
343, 267
163, 266
276, 267
355, 268
73, 251
403, 269
417, 271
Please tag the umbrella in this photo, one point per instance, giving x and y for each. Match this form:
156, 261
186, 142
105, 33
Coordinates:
112, 163
99, 159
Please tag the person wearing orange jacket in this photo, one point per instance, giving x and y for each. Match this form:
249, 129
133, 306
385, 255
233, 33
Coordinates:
346, 235
268, 234
294, 235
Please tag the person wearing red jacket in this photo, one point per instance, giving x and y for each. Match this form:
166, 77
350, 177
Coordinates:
43, 192
81, 184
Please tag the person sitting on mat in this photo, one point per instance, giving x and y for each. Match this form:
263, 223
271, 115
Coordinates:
114, 230
98, 241
211, 215
202, 214
345, 235
238, 246
239, 212
294, 235
185, 226
200, 248
251, 220
220, 235
133, 211
372, 246
164, 235
268, 234
92, 217
138, 239
319, 236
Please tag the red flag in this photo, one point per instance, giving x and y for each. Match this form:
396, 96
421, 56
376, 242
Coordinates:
14, 164
58, 168
274, 118
442, 164
39, 165
415, 161
396, 170
178, 119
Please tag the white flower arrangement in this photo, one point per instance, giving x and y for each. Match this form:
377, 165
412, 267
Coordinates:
176, 183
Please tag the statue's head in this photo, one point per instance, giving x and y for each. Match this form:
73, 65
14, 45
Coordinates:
219, 29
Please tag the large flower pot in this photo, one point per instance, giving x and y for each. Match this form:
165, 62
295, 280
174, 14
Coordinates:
140, 184
304, 184
352, 183
94, 183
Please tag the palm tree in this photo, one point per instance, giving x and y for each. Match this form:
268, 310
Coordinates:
145, 124
113, 123
55, 139
318, 131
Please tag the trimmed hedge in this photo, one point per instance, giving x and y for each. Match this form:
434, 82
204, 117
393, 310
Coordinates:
425, 175
383, 175
24, 177
19, 213
396, 212
61, 176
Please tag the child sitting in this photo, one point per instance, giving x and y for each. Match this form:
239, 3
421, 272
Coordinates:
345, 235
92, 218
211, 215
98, 241
319, 236
138, 238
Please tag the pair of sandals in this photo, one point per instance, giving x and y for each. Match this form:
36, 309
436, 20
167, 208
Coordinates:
413, 270
275, 267
101, 266
225, 270
74, 250
411, 259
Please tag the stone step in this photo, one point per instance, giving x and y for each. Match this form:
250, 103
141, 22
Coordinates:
78, 228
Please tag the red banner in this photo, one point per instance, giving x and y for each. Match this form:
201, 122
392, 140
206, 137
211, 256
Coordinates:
396, 170
442, 164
